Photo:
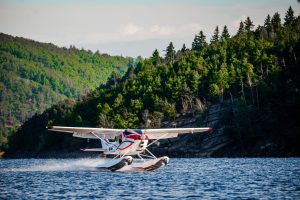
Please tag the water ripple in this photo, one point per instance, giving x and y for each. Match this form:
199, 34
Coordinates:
210, 178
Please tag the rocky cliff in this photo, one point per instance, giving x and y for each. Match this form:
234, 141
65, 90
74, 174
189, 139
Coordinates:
228, 138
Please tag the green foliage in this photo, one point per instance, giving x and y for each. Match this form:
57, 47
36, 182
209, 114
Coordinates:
170, 53
241, 28
156, 58
183, 49
248, 25
34, 76
215, 37
225, 34
268, 24
199, 42
289, 19
276, 22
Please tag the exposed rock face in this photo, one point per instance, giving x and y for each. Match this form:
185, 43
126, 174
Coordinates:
226, 140
198, 144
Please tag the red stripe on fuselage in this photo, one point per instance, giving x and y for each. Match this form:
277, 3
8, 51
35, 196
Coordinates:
126, 146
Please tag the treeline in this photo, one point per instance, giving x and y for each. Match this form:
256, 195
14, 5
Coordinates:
34, 76
258, 68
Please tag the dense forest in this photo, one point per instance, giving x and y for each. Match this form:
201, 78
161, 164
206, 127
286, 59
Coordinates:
34, 76
255, 71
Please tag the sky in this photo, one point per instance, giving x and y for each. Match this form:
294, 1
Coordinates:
130, 27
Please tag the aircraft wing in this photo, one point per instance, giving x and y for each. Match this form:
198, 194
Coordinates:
91, 133
107, 133
172, 132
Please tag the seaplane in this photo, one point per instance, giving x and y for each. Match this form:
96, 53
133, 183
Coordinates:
126, 144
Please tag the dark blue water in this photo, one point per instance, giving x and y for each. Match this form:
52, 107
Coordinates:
210, 178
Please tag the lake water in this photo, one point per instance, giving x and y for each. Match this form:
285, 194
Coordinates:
199, 178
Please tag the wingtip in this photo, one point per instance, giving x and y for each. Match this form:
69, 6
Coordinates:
210, 129
50, 127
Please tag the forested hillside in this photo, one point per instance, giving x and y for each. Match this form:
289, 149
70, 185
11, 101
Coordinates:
256, 71
34, 76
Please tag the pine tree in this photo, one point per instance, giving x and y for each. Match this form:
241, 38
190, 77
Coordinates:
183, 49
241, 28
289, 19
268, 24
276, 22
215, 37
155, 57
170, 53
199, 42
225, 34
248, 25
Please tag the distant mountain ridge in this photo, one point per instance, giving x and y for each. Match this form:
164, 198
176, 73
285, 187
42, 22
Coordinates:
34, 76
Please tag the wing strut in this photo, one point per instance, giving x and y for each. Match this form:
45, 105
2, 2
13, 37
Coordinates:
157, 139
150, 153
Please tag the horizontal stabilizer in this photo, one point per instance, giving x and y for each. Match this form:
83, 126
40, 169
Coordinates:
93, 149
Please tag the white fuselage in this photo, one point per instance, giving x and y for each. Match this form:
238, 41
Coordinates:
128, 146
